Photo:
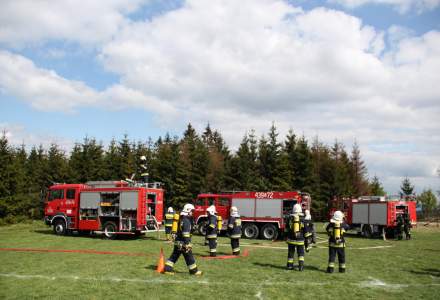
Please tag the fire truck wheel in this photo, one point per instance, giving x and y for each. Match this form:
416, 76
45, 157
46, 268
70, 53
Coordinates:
59, 227
269, 232
366, 231
109, 229
201, 227
250, 231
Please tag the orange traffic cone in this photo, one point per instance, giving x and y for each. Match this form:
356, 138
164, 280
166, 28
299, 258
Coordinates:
161, 264
245, 253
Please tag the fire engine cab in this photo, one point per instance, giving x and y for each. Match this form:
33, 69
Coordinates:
262, 213
108, 207
374, 215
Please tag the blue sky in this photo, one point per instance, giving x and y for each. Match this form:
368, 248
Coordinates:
341, 69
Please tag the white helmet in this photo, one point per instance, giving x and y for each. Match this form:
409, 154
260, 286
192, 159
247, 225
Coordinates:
143, 157
170, 209
297, 209
338, 216
188, 208
308, 216
234, 211
211, 210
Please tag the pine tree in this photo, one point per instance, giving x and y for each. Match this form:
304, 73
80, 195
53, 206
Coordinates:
57, 165
341, 185
112, 162
358, 172
6, 169
407, 189
127, 165
376, 188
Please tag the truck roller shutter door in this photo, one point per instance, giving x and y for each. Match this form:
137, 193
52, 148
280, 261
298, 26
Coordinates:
129, 200
90, 200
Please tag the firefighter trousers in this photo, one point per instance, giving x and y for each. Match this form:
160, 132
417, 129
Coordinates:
189, 259
212, 242
332, 252
291, 254
235, 245
168, 232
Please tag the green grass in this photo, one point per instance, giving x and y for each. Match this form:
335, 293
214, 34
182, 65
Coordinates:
406, 270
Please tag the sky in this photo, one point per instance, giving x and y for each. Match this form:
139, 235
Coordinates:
364, 71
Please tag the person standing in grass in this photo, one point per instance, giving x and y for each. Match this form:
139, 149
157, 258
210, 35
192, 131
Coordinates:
309, 231
182, 244
407, 225
234, 230
169, 216
336, 242
295, 237
399, 227
211, 230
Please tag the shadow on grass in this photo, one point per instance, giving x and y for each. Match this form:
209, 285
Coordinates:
431, 272
306, 267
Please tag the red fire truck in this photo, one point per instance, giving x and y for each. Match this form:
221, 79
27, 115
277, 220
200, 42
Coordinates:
373, 215
262, 213
108, 207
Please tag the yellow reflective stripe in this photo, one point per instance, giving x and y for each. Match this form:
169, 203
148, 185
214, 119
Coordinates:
290, 260
231, 226
192, 267
186, 235
235, 249
342, 266
169, 263
212, 225
337, 245
307, 234
168, 225
169, 216
301, 258
331, 264
212, 236
212, 250
293, 242
235, 236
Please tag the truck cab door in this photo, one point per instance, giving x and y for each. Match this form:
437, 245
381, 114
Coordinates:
57, 201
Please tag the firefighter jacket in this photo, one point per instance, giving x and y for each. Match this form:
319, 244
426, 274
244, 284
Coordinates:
335, 231
234, 227
295, 230
308, 228
169, 220
184, 230
211, 227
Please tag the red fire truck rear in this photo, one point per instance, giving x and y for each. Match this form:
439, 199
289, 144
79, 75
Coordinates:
262, 213
374, 215
108, 207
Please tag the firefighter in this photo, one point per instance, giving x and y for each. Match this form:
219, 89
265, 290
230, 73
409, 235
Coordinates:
336, 242
295, 237
234, 230
169, 216
399, 227
407, 225
144, 174
211, 230
309, 229
183, 226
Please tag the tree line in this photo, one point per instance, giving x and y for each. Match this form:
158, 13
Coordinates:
187, 166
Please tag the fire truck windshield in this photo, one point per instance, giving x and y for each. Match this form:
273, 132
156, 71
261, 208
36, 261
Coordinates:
56, 194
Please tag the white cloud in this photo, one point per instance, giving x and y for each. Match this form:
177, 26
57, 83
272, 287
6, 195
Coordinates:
236, 66
403, 6
89, 22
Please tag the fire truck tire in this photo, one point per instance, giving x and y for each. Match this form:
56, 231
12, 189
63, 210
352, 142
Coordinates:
250, 231
59, 227
269, 232
366, 231
201, 227
109, 229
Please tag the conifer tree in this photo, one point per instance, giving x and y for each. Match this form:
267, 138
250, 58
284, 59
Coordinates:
376, 188
407, 189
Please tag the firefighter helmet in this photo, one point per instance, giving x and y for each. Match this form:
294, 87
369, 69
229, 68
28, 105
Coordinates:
234, 211
211, 210
297, 209
143, 157
170, 210
338, 216
187, 209
307, 215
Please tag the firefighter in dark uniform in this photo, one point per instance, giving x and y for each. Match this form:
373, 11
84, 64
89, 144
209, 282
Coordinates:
182, 244
407, 226
234, 230
399, 227
169, 222
295, 237
336, 242
309, 229
211, 230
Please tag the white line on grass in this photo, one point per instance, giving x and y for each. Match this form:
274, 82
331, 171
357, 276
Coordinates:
372, 283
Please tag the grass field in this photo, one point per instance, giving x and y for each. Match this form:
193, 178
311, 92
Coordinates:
376, 269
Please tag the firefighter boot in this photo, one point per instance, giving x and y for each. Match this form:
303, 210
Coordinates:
236, 252
289, 266
330, 269
198, 273
301, 266
213, 254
